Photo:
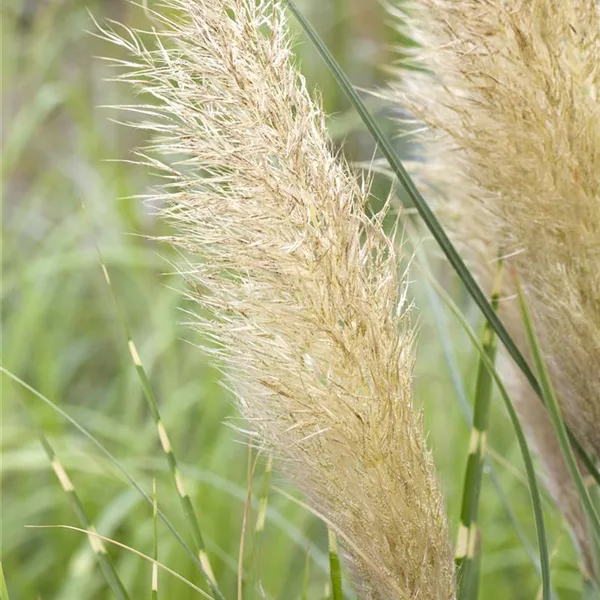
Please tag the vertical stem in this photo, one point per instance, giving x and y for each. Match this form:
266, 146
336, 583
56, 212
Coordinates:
468, 536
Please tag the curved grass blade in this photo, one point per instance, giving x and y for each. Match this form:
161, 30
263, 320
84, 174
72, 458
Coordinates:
108, 455
429, 218
335, 570
104, 561
133, 551
455, 374
186, 503
555, 414
466, 558
525, 453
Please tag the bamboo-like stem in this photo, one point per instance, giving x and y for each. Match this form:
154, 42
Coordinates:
534, 491
104, 560
165, 443
468, 533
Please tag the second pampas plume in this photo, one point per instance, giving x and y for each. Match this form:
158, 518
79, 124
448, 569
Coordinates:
510, 94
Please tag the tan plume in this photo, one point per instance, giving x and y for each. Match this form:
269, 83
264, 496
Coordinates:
510, 93
299, 290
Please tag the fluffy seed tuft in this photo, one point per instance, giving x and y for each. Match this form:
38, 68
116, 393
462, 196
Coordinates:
297, 288
510, 91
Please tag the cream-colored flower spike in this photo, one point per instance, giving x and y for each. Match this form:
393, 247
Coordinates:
511, 95
298, 288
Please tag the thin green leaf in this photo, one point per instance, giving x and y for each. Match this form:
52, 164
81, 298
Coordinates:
468, 534
3, 586
154, 589
106, 453
525, 453
104, 561
335, 570
261, 519
306, 575
556, 416
429, 218
451, 361
246, 517
167, 448
132, 551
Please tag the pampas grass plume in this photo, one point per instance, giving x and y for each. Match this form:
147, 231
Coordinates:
510, 91
298, 289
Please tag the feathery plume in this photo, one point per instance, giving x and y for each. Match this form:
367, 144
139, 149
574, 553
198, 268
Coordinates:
300, 287
510, 91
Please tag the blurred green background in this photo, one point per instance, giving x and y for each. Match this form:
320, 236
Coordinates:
60, 334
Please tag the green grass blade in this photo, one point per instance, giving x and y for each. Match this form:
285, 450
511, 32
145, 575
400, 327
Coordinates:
306, 575
3, 586
241, 577
154, 589
428, 216
186, 503
451, 361
132, 551
108, 455
263, 502
534, 490
98, 548
468, 533
556, 416
261, 519
335, 570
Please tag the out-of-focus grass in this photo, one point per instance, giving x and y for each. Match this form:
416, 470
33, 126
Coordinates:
61, 334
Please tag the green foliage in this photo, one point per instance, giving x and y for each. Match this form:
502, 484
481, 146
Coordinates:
3, 588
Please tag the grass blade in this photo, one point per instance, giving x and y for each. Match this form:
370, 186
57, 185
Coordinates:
306, 575
451, 361
534, 490
108, 455
261, 519
104, 561
429, 217
154, 590
556, 416
3, 586
334, 566
132, 551
245, 519
468, 533
186, 503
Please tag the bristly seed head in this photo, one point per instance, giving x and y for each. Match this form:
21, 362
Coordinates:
301, 289
510, 93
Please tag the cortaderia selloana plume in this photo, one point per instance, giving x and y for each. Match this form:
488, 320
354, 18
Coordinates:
509, 92
297, 289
